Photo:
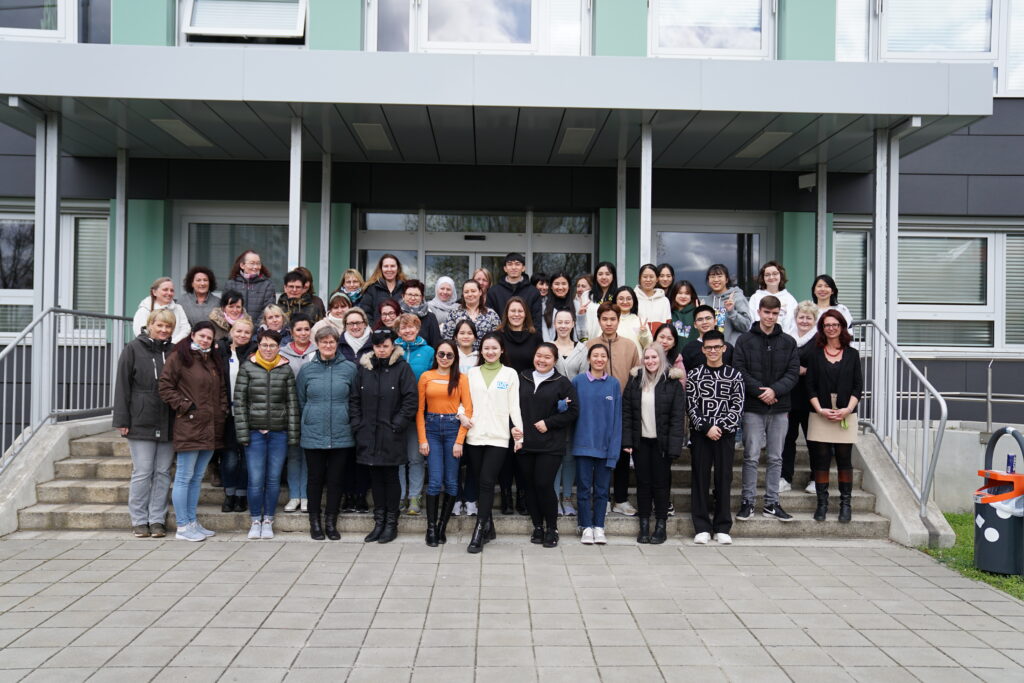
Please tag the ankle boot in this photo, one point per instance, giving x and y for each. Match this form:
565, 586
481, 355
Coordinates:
489, 533
331, 527
432, 521
645, 530
538, 534
845, 500
361, 504
506, 501
390, 532
822, 510
521, 503
660, 534
476, 544
229, 504
316, 532
551, 537
447, 505
241, 504
378, 525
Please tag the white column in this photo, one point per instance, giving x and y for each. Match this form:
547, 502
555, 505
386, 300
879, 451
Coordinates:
46, 271
620, 216
118, 250
295, 194
882, 378
821, 219
646, 163
325, 227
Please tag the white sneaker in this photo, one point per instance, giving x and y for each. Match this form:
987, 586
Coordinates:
588, 536
189, 532
267, 528
470, 509
811, 488
624, 509
599, 537
567, 509
203, 530
304, 505
702, 538
784, 486
457, 509
724, 539
292, 505
256, 529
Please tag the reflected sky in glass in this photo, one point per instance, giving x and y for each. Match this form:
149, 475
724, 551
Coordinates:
479, 21
710, 24
692, 253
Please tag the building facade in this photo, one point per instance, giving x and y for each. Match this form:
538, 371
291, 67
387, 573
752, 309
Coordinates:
840, 136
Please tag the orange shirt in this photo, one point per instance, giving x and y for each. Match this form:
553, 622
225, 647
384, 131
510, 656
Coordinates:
434, 398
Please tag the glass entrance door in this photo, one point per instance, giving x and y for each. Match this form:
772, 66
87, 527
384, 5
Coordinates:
460, 267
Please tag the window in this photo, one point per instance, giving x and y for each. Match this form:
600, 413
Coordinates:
90, 264
17, 246
553, 27
38, 20
217, 245
850, 269
733, 28
943, 270
1015, 289
245, 19
94, 21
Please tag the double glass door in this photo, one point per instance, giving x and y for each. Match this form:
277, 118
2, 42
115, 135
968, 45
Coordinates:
459, 266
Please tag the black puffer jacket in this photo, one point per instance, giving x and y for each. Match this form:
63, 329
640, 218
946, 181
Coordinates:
767, 360
382, 408
669, 413
266, 400
541, 403
137, 402
376, 293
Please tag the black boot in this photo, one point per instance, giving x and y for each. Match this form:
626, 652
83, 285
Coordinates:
346, 503
331, 527
229, 504
645, 530
447, 505
361, 504
432, 521
489, 533
476, 544
390, 532
506, 501
241, 504
821, 511
660, 531
378, 525
538, 534
845, 496
551, 537
521, 503
316, 532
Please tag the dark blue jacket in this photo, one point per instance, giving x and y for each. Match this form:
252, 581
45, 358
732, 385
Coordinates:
324, 388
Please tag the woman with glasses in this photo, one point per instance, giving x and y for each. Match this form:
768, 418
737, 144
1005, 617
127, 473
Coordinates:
353, 345
252, 280
441, 430
267, 422
388, 311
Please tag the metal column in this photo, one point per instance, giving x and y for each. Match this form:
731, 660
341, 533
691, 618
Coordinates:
46, 274
821, 219
118, 249
646, 163
325, 227
295, 194
620, 216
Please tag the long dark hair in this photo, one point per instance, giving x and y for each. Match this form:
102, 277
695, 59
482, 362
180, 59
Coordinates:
553, 305
663, 266
674, 290
827, 279
626, 288
184, 347
458, 326
496, 336
379, 325
453, 372
527, 320
610, 292
844, 334
672, 353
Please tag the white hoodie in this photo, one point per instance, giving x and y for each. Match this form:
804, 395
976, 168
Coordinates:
787, 316
654, 308
493, 407
181, 326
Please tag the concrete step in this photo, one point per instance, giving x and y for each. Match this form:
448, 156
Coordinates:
97, 516
109, 492
106, 444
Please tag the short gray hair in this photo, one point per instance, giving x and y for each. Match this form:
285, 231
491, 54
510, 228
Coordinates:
326, 331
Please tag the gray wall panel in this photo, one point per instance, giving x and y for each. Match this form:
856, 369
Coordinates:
995, 195
969, 154
938, 195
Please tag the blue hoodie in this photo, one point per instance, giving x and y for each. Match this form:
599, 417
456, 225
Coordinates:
599, 425
418, 354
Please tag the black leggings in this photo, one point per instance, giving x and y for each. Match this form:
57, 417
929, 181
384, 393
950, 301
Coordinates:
620, 479
538, 472
385, 486
797, 420
326, 468
357, 483
653, 478
486, 462
821, 460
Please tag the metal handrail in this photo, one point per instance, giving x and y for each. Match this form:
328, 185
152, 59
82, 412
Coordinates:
61, 366
898, 399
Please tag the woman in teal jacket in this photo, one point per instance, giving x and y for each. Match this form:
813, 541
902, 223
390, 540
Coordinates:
420, 356
324, 386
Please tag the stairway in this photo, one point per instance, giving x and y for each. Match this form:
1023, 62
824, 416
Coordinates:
90, 492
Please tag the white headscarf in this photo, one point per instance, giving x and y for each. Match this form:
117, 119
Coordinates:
440, 308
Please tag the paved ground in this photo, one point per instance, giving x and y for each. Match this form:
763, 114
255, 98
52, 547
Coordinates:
102, 607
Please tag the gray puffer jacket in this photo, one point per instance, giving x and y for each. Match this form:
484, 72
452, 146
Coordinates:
266, 400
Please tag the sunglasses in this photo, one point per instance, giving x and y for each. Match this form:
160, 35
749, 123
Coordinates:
446, 355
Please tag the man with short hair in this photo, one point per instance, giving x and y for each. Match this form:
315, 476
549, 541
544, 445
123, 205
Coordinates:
297, 299
515, 283
704, 320
771, 367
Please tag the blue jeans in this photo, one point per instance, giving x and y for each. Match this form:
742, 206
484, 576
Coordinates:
592, 478
264, 457
414, 468
188, 478
442, 429
298, 472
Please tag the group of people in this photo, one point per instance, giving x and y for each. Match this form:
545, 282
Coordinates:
549, 384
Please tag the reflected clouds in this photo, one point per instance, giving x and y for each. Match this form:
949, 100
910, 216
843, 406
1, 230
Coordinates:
479, 21
710, 24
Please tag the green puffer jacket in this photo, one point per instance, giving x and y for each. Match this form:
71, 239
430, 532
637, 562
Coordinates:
266, 400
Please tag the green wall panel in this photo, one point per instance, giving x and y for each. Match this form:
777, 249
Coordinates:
341, 240
147, 250
142, 22
797, 250
807, 29
620, 28
608, 243
312, 247
606, 236
335, 24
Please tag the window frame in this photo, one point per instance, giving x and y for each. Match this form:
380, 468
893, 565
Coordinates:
878, 14
187, 31
66, 31
769, 16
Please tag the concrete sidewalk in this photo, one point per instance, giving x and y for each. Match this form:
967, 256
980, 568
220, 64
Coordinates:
102, 606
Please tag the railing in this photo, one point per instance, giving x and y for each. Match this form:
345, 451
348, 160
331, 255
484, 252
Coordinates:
901, 408
988, 397
61, 367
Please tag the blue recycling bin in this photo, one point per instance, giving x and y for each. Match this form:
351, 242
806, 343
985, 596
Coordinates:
999, 515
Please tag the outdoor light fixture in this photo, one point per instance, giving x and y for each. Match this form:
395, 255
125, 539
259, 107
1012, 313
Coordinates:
182, 132
372, 137
762, 144
575, 140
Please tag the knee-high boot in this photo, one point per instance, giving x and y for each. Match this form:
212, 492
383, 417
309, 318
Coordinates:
821, 489
432, 521
845, 501
447, 505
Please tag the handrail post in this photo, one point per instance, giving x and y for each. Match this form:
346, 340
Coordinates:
988, 401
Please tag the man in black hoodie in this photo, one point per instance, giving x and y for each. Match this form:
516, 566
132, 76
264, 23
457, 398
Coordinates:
515, 283
768, 360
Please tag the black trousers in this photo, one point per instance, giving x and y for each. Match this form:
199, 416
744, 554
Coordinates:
538, 477
510, 470
705, 455
797, 420
357, 483
386, 488
821, 460
653, 479
486, 462
326, 471
620, 479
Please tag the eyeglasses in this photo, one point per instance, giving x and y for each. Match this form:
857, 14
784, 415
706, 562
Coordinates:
448, 355
716, 349
357, 323
269, 347
831, 326
388, 314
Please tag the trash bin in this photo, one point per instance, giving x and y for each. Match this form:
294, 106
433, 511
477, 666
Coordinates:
999, 515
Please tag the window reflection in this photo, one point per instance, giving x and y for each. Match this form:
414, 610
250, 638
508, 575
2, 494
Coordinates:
692, 253
709, 24
392, 25
41, 14
479, 21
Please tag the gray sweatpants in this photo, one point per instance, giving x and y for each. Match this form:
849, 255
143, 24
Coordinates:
151, 481
760, 431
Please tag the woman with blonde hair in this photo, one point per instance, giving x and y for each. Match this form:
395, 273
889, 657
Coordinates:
274, 319
352, 285
161, 296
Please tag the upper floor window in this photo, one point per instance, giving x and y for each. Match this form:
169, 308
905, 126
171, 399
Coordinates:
244, 20
38, 20
552, 27
707, 28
